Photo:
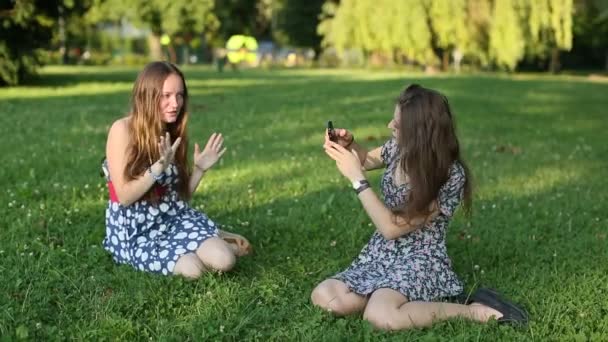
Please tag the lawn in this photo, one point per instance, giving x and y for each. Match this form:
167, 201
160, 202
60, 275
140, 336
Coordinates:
536, 146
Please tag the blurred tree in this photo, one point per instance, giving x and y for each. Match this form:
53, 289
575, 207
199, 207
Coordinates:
590, 29
297, 20
600, 27
506, 37
481, 32
189, 19
182, 18
548, 29
239, 17
139, 12
394, 28
27, 28
478, 17
449, 23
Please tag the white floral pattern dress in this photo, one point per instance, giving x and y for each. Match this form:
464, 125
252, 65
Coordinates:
416, 264
153, 236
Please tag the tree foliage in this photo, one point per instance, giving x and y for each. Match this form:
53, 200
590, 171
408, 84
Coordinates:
485, 32
26, 28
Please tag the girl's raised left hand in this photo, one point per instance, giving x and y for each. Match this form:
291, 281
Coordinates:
211, 154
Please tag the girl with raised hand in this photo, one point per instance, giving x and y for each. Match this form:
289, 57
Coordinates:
149, 222
403, 276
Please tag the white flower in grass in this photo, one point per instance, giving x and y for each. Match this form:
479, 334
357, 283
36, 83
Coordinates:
476, 267
86, 186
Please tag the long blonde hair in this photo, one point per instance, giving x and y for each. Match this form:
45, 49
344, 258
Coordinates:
146, 126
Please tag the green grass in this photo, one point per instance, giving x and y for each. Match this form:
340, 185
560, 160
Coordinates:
536, 145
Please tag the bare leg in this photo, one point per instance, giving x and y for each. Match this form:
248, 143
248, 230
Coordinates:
334, 296
189, 266
216, 254
388, 309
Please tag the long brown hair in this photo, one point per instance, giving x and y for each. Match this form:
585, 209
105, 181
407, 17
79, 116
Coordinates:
146, 126
428, 147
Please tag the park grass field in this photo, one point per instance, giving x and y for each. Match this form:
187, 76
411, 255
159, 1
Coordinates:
537, 147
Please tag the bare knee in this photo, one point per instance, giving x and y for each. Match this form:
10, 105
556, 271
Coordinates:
189, 266
216, 254
331, 295
322, 295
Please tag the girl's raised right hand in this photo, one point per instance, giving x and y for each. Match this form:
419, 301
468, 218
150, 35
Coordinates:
167, 151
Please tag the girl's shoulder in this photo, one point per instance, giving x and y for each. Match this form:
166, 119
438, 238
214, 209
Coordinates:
120, 127
122, 122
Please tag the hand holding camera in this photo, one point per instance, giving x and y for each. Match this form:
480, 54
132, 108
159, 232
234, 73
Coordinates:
340, 136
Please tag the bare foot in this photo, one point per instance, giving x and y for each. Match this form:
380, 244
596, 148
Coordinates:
239, 245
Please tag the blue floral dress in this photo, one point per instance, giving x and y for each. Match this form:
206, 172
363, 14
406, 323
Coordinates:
416, 264
153, 236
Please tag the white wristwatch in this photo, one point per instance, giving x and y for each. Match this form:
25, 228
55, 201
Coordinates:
360, 185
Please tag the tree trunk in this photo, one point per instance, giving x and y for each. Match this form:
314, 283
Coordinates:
186, 54
554, 65
156, 52
445, 61
62, 37
172, 54
457, 56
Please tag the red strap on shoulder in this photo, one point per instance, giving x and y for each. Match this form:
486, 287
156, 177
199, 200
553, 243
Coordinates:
158, 189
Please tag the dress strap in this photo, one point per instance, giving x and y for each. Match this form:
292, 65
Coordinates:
158, 189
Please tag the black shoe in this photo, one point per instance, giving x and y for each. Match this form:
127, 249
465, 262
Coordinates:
511, 313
